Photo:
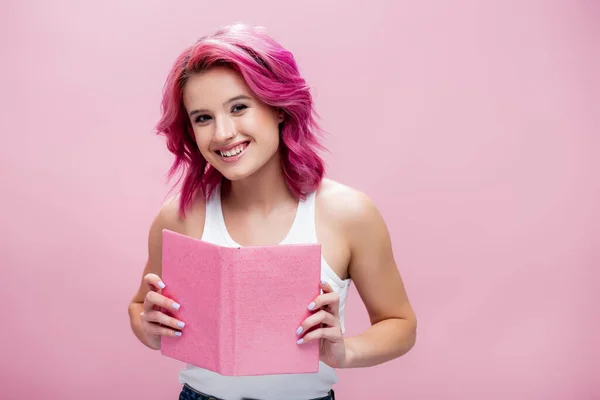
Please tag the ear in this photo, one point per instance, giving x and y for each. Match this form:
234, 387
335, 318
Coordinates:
280, 115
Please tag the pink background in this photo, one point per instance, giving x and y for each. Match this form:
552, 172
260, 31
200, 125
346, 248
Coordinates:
474, 127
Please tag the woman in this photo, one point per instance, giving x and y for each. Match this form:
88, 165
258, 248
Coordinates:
240, 121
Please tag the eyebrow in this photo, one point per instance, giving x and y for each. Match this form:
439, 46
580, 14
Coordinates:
240, 97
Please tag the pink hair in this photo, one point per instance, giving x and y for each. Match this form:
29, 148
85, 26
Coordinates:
271, 73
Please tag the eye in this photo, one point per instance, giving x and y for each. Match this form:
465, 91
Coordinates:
201, 119
238, 108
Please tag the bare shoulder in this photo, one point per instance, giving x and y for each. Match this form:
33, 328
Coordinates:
345, 205
169, 216
358, 227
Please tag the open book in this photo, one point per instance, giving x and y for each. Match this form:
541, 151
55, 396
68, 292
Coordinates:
241, 306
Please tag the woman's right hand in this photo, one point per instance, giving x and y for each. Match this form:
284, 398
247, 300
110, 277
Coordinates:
155, 323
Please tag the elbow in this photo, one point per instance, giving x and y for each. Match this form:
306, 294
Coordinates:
412, 336
408, 337
412, 323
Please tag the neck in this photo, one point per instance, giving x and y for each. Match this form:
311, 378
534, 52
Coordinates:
263, 191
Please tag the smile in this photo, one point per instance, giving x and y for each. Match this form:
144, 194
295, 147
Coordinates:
232, 153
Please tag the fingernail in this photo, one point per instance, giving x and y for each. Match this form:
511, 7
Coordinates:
299, 330
161, 284
177, 333
181, 324
300, 341
323, 282
176, 306
311, 305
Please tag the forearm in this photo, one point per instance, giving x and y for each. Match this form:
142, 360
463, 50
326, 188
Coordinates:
135, 319
383, 341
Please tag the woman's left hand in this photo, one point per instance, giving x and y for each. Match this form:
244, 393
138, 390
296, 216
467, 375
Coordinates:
329, 330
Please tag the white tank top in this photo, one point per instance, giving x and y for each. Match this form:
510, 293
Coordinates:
268, 387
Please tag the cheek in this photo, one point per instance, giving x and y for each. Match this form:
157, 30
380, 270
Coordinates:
264, 129
202, 140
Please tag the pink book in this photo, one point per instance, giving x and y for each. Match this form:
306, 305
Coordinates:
241, 306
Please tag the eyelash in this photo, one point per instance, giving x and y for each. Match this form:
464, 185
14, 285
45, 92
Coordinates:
199, 120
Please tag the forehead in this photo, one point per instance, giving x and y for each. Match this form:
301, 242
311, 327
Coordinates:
211, 88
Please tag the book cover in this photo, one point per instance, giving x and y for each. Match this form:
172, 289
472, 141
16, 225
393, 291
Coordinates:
241, 306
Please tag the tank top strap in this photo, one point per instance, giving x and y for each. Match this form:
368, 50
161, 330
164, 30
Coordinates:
212, 229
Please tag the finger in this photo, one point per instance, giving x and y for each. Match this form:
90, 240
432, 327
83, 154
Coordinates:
333, 334
320, 317
162, 318
326, 287
154, 281
157, 299
152, 328
330, 301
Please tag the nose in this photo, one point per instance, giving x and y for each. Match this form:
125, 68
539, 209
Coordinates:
224, 130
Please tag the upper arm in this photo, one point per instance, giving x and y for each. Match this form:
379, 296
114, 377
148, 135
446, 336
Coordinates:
166, 218
372, 265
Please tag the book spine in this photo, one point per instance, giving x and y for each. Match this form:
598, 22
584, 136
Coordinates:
234, 334
227, 314
234, 305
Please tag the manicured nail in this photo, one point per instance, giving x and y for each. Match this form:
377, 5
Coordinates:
177, 333
323, 282
299, 330
161, 284
300, 341
181, 324
311, 305
176, 306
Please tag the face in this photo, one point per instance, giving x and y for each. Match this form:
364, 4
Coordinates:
235, 132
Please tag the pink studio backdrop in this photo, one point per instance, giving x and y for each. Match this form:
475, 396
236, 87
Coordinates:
474, 127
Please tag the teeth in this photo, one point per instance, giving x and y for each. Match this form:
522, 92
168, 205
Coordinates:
235, 151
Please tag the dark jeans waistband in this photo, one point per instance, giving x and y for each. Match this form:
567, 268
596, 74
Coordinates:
189, 393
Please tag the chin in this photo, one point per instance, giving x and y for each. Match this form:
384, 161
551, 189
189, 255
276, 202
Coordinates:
235, 176
235, 173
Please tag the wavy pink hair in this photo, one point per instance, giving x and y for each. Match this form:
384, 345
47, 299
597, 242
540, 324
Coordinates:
271, 73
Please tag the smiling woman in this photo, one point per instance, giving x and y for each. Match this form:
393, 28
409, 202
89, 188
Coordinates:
238, 118
228, 153
236, 132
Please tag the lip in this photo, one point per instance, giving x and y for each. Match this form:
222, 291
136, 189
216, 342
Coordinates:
231, 146
235, 158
